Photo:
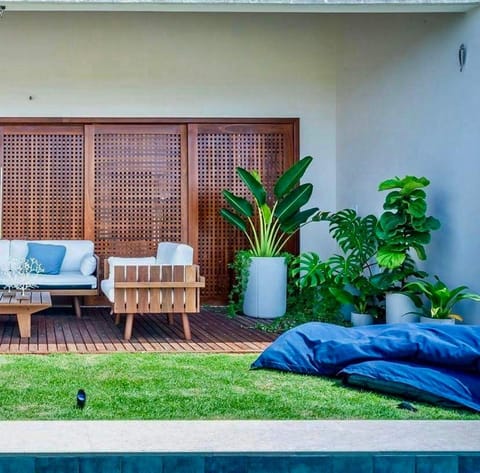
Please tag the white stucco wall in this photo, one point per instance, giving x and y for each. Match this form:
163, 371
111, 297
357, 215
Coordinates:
178, 65
378, 95
404, 108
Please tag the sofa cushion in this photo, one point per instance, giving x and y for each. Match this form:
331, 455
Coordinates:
75, 251
64, 280
49, 257
88, 265
4, 255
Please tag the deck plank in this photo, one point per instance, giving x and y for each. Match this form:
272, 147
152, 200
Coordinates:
58, 330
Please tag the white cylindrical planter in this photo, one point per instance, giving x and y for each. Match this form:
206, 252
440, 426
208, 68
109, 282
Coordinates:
399, 308
266, 293
429, 320
361, 319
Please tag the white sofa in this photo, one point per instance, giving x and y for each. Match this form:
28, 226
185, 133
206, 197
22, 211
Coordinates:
78, 272
167, 253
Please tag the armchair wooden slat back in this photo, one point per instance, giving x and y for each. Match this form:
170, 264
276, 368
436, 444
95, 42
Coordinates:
157, 289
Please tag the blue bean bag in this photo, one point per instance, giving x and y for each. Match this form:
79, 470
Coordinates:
392, 358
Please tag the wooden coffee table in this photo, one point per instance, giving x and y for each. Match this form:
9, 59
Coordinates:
24, 308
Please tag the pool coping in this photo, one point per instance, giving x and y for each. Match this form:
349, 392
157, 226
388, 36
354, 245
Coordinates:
249, 436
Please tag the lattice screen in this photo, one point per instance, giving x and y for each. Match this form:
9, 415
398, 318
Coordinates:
139, 191
42, 182
269, 150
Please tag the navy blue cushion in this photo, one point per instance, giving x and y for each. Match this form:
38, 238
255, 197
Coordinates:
324, 349
435, 385
49, 256
436, 363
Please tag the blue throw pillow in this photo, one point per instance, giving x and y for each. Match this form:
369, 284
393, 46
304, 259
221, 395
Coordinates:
49, 256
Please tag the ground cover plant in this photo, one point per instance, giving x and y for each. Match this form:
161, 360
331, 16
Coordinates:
184, 386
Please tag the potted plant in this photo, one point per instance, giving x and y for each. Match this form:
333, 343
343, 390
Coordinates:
441, 299
349, 275
404, 228
268, 223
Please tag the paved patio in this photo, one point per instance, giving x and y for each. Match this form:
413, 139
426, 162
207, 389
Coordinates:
57, 330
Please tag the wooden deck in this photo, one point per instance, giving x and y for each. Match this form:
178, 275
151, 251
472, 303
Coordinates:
57, 330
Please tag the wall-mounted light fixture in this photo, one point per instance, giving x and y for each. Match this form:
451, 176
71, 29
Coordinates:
462, 56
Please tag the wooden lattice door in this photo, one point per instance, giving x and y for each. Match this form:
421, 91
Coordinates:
42, 182
138, 187
215, 151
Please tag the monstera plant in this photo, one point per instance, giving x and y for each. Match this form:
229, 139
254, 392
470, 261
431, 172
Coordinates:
269, 222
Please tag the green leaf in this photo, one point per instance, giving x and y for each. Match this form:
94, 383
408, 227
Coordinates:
239, 204
322, 216
389, 258
293, 201
252, 181
266, 213
234, 219
417, 208
295, 221
289, 179
432, 223
342, 296
389, 222
389, 184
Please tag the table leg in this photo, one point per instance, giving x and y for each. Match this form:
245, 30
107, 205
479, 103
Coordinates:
24, 319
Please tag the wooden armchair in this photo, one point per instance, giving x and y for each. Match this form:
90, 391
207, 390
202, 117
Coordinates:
157, 289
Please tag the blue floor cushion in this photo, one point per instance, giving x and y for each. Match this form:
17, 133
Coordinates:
325, 350
439, 386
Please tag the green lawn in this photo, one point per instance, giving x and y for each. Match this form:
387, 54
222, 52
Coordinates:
188, 386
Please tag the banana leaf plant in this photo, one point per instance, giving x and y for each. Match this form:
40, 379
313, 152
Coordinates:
441, 298
268, 226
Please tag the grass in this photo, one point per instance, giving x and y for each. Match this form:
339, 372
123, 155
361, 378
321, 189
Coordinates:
183, 386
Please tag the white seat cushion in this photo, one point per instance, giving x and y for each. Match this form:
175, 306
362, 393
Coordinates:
64, 279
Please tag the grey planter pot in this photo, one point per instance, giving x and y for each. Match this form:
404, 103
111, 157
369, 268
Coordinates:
266, 293
361, 319
429, 320
399, 309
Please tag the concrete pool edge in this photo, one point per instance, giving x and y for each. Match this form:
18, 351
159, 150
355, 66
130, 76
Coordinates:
330, 436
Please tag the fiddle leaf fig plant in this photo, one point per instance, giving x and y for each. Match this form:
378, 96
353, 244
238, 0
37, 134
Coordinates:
404, 226
268, 226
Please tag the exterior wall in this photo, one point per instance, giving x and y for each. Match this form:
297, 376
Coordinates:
377, 95
403, 107
178, 65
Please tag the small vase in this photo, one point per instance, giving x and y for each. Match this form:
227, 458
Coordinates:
361, 319
399, 309
430, 320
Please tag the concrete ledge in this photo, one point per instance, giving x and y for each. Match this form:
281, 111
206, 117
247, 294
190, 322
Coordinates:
58, 437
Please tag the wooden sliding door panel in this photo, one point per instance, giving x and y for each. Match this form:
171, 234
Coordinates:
218, 150
42, 169
139, 187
